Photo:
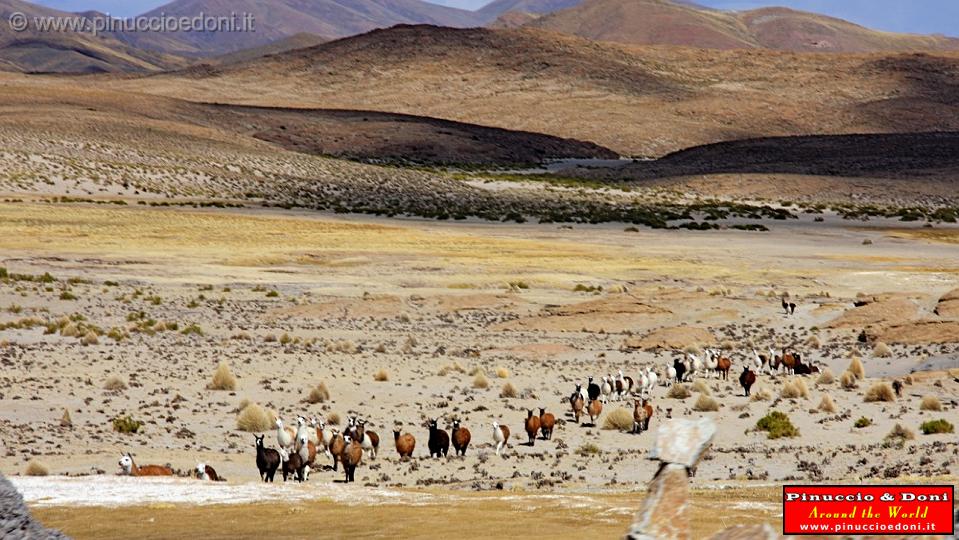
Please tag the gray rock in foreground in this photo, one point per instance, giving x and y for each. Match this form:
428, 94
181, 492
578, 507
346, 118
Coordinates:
15, 520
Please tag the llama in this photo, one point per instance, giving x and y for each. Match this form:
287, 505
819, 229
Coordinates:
723, 365
267, 460
546, 422
653, 378
284, 437
369, 440
128, 467
405, 444
710, 362
747, 379
460, 439
352, 456
607, 388
576, 401
500, 437
594, 409
207, 473
532, 426
336, 447
292, 465
761, 361
639, 416
624, 385
307, 453
592, 389
439, 441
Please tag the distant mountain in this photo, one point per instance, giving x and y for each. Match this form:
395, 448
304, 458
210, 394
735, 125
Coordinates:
664, 22
280, 19
70, 52
492, 11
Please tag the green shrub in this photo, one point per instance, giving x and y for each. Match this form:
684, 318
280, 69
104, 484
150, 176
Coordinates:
126, 424
936, 426
777, 425
863, 422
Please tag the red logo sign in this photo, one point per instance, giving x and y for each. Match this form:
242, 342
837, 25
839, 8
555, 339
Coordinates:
868, 510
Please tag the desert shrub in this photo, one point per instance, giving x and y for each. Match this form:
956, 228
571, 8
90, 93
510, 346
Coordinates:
480, 381
693, 349
90, 338
255, 419
223, 378
794, 389
700, 386
381, 375
863, 422
814, 342
856, 368
35, 468
761, 394
621, 419
285, 339
848, 380
881, 350
901, 432
588, 449
192, 329
114, 384
826, 404
126, 424
936, 426
65, 420
678, 391
826, 377
502, 372
706, 404
333, 419
476, 370
930, 403
508, 391
318, 394
777, 425
881, 391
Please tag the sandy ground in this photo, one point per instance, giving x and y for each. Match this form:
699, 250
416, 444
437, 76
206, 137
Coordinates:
290, 299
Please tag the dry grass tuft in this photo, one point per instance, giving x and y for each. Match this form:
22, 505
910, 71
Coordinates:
706, 404
881, 391
508, 391
827, 404
930, 403
255, 419
761, 394
502, 372
381, 376
795, 389
826, 377
678, 391
318, 394
856, 368
90, 339
881, 350
333, 419
814, 342
65, 420
848, 380
481, 381
901, 432
700, 386
223, 378
35, 468
693, 349
620, 419
114, 384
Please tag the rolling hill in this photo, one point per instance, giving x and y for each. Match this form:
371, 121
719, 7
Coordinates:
663, 22
646, 101
496, 8
70, 52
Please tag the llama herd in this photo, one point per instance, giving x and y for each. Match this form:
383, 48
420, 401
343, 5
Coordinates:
299, 447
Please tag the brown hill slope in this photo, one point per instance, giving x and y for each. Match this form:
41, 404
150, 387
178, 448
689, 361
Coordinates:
497, 8
662, 22
33, 50
638, 101
302, 40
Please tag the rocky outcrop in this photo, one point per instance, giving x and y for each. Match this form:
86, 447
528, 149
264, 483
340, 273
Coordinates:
15, 520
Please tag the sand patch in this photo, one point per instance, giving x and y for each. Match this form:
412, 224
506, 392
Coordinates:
675, 338
922, 332
882, 312
612, 314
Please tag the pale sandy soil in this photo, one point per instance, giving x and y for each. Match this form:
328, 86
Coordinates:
414, 297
